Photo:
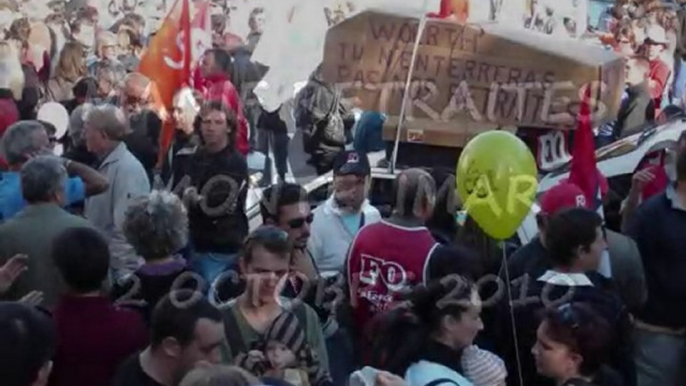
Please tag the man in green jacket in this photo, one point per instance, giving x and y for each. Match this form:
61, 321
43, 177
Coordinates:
32, 231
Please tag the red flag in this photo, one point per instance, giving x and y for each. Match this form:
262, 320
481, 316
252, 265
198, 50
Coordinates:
167, 62
584, 172
458, 8
446, 9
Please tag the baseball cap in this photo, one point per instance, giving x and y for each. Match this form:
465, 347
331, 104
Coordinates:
656, 35
562, 196
351, 162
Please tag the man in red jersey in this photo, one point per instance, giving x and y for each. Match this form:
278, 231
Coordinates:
392, 255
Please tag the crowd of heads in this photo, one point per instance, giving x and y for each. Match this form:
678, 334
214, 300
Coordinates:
187, 330
641, 31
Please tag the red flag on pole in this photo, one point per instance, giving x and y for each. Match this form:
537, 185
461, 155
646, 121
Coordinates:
584, 172
167, 63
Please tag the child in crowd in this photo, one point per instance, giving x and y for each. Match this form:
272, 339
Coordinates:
285, 356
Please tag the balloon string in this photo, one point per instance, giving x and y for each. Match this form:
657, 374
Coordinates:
512, 316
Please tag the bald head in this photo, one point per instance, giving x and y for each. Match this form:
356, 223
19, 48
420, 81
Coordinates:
415, 192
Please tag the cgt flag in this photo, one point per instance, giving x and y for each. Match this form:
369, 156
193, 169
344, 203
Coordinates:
167, 63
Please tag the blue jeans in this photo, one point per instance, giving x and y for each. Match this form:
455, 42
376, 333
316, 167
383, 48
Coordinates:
659, 358
210, 265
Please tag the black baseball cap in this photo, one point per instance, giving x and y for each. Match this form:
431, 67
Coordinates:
351, 162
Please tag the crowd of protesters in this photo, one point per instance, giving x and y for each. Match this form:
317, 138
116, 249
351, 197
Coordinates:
119, 267
650, 35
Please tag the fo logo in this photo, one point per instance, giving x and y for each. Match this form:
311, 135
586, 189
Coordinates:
375, 271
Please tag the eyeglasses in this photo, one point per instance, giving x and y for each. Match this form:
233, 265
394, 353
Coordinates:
298, 223
568, 316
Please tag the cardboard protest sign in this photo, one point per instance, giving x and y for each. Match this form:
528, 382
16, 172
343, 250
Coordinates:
469, 78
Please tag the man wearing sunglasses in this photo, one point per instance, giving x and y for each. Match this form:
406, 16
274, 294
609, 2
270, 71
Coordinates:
286, 206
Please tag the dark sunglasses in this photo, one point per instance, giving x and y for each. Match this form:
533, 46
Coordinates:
568, 316
298, 223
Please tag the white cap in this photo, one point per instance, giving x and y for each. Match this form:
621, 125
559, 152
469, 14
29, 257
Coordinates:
656, 35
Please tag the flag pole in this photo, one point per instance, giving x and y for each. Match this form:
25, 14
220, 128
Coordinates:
408, 83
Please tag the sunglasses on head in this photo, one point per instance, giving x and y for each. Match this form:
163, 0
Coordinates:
298, 223
568, 316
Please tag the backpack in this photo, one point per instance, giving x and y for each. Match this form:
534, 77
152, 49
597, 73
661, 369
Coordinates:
327, 130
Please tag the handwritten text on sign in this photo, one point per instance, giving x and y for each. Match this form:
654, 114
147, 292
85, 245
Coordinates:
460, 73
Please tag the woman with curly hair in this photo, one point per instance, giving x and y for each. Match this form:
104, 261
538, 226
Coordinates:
157, 227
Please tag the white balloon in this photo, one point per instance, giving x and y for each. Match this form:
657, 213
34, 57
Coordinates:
55, 114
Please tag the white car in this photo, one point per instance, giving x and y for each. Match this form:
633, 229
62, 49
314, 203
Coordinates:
618, 159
